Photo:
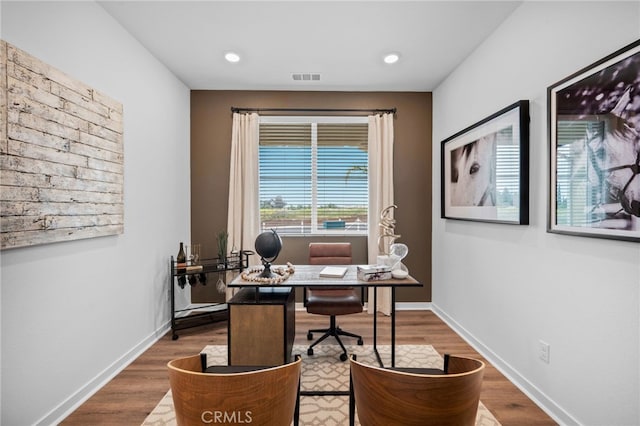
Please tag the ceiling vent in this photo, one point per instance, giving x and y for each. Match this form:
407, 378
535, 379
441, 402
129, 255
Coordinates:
305, 76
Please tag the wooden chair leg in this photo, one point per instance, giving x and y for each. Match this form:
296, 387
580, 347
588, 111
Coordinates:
296, 412
352, 399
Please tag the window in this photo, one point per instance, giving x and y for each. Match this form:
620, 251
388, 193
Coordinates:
314, 175
577, 198
507, 175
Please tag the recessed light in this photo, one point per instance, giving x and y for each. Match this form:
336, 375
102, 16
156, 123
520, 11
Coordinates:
391, 58
232, 57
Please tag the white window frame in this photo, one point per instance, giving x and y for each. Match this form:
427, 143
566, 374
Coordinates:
314, 120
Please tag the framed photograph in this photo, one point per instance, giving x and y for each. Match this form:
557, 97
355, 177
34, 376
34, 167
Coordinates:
594, 138
485, 169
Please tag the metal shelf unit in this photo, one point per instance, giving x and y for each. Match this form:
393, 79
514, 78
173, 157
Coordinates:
192, 275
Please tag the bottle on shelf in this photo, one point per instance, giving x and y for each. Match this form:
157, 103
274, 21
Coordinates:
181, 260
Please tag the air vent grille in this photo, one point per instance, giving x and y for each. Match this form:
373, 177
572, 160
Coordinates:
306, 76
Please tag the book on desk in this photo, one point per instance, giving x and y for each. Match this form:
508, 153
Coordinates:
333, 272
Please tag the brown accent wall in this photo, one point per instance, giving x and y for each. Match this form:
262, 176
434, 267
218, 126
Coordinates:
211, 147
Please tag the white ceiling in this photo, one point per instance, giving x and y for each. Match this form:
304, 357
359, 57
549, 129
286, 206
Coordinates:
344, 41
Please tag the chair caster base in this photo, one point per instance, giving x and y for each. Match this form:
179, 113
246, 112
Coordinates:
360, 342
343, 357
309, 336
309, 351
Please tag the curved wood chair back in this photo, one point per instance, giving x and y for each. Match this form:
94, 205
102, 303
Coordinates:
387, 397
266, 396
330, 254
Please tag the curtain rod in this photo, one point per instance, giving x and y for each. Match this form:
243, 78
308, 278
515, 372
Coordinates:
386, 111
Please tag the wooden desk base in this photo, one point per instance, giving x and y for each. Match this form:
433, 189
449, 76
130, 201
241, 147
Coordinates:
262, 328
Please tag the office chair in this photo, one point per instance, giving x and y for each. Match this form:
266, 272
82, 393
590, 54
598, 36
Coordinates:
331, 301
257, 395
414, 396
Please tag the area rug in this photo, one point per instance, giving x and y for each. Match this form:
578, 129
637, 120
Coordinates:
324, 371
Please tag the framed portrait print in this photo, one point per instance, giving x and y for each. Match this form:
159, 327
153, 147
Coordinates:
485, 169
594, 138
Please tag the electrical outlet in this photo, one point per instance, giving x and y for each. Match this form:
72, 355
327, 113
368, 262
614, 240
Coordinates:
543, 351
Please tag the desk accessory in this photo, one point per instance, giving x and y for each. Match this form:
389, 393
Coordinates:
268, 245
399, 274
397, 252
333, 272
373, 272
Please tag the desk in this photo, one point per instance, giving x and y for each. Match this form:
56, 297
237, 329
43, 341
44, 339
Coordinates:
309, 276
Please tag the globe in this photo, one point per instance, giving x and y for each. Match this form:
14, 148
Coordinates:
268, 245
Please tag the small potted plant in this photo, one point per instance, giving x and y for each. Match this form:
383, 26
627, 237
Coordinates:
222, 249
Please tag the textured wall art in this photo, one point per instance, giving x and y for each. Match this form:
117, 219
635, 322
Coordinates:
61, 155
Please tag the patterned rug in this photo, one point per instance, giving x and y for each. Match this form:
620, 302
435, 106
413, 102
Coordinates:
324, 371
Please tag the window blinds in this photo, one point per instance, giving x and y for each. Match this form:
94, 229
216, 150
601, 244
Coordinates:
576, 197
314, 177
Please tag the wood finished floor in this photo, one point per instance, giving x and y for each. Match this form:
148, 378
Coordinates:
134, 393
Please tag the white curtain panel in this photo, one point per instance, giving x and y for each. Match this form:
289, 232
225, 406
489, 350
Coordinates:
380, 194
243, 218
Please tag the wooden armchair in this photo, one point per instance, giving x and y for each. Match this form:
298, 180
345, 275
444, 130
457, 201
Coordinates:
420, 397
257, 395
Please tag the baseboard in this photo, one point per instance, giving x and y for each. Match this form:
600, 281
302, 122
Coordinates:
63, 410
413, 306
536, 395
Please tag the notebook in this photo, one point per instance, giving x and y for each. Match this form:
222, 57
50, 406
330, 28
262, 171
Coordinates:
333, 271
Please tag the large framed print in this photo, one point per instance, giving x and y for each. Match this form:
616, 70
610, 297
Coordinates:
594, 149
485, 169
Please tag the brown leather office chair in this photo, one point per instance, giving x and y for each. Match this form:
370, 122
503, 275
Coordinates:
258, 395
410, 396
331, 301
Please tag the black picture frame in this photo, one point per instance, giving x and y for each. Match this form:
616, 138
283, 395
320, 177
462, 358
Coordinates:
484, 170
594, 149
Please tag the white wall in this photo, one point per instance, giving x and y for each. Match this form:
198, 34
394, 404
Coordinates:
75, 312
507, 287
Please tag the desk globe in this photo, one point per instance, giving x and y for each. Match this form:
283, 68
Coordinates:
268, 245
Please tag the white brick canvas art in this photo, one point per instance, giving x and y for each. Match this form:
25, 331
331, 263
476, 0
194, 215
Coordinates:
61, 155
